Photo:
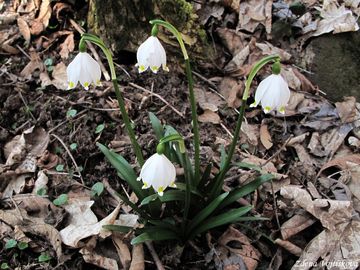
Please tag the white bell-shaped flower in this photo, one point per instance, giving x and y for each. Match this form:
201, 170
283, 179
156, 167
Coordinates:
151, 54
273, 93
158, 172
83, 69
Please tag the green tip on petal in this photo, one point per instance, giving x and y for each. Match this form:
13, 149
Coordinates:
267, 109
145, 186
173, 185
282, 110
141, 68
160, 191
98, 83
71, 84
253, 104
154, 69
165, 68
86, 84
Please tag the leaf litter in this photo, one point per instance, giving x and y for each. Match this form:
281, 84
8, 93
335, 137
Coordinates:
312, 150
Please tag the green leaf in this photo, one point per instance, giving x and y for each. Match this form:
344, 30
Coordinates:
124, 169
48, 62
156, 125
155, 234
118, 228
222, 219
207, 211
223, 157
44, 257
10, 244
62, 199
99, 128
97, 189
240, 192
249, 166
22, 245
73, 146
59, 168
4, 265
71, 113
170, 195
41, 191
205, 176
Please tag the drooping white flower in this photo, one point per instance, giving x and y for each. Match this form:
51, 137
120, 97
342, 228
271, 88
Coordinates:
83, 69
158, 172
151, 54
273, 93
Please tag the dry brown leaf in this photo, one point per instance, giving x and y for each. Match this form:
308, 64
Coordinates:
40, 182
232, 90
60, 76
238, 60
67, 46
249, 134
265, 136
138, 261
15, 185
90, 256
269, 49
343, 163
24, 29
233, 40
336, 249
79, 229
335, 18
208, 100
34, 64
254, 12
122, 250
290, 77
347, 110
329, 212
48, 232
296, 224
209, 116
289, 246
306, 85
42, 20
244, 249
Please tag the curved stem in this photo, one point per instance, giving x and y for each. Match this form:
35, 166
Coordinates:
219, 180
176, 33
119, 97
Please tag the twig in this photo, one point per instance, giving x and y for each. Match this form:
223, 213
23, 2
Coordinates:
92, 49
278, 151
159, 97
25, 104
153, 253
71, 157
77, 117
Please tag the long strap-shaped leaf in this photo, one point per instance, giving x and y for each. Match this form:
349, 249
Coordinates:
171, 195
228, 217
124, 169
240, 192
156, 234
207, 211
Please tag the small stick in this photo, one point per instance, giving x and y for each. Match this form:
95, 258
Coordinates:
153, 253
111, 191
92, 49
71, 156
158, 96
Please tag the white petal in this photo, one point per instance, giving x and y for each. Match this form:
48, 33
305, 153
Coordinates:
142, 54
73, 72
92, 67
260, 91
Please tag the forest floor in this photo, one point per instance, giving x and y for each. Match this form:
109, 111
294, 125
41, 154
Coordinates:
48, 145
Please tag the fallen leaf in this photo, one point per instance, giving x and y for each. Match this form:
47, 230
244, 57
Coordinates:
209, 116
60, 76
90, 256
208, 100
255, 12
347, 110
232, 90
67, 46
24, 29
296, 224
289, 246
122, 250
265, 136
335, 18
138, 260
243, 248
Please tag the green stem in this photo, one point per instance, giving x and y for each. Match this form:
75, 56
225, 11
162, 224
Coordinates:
120, 99
219, 180
176, 33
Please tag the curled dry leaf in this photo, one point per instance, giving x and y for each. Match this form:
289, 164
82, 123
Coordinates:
232, 90
73, 233
347, 110
24, 29
138, 260
90, 256
249, 255
329, 212
296, 224
67, 46
255, 12
208, 100
122, 250
40, 182
60, 76
294, 249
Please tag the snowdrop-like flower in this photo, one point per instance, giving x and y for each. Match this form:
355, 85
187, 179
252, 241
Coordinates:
84, 69
158, 172
273, 93
151, 54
